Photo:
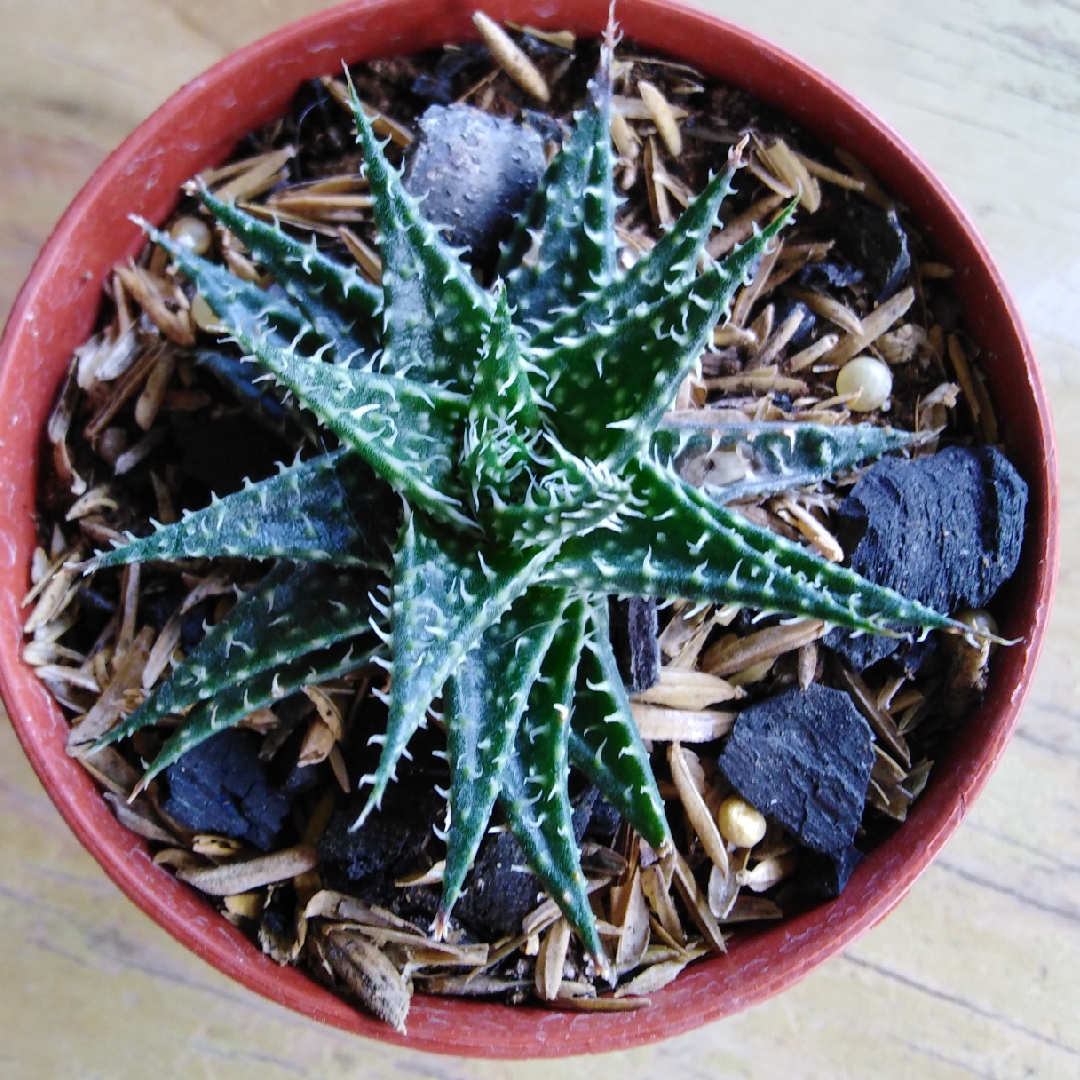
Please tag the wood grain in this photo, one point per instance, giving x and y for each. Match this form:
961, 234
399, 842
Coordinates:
977, 973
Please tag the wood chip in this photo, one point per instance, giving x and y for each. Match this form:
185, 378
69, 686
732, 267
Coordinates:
790, 167
831, 176
622, 135
826, 544
252, 873
630, 914
602, 1004
367, 258
139, 818
252, 177
511, 59
829, 308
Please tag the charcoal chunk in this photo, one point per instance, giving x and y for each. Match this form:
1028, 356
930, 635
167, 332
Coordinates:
500, 890
875, 240
804, 758
634, 628
475, 172
220, 786
829, 275
945, 530
824, 876
439, 85
391, 841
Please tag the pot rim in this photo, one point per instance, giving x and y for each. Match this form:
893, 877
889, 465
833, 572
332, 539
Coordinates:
250, 87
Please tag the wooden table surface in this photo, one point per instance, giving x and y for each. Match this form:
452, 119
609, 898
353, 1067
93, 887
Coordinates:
977, 973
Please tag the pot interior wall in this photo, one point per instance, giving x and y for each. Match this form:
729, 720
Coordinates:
199, 127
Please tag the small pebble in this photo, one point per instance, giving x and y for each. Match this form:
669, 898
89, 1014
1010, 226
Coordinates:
869, 378
191, 233
203, 316
739, 823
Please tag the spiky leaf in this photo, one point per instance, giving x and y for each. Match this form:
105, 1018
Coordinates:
536, 775
604, 742
485, 700
329, 509
293, 612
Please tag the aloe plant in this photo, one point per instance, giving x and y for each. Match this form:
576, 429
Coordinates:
503, 465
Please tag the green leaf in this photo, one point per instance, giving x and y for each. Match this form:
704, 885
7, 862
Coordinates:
446, 596
271, 633
231, 704
435, 314
573, 209
337, 300
611, 386
604, 741
668, 266
485, 699
778, 456
683, 545
311, 511
535, 778
503, 415
404, 430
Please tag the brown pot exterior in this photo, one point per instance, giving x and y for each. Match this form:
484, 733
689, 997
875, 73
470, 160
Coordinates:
199, 127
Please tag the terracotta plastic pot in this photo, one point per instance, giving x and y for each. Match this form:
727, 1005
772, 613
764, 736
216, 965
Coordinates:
199, 127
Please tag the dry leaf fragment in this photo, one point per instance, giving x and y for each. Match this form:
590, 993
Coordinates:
138, 818
883, 725
690, 690
657, 893
735, 654
696, 903
653, 978
551, 959
111, 706
630, 913
690, 782
510, 58
665, 725
253, 176
370, 976
367, 258
252, 873
666, 125
873, 326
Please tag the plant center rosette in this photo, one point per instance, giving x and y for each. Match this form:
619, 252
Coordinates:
485, 472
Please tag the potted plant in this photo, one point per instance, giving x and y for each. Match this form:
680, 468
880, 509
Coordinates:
882, 879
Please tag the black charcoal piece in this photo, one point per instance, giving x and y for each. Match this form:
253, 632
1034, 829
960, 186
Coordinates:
391, 841
500, 890
875, 240
944, 529
804, 758
220, 786
826, 274
634, 630
824, 876
603, 824
439, 86
807, 321
473, 172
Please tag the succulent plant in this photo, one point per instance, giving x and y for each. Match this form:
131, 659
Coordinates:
502, 465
